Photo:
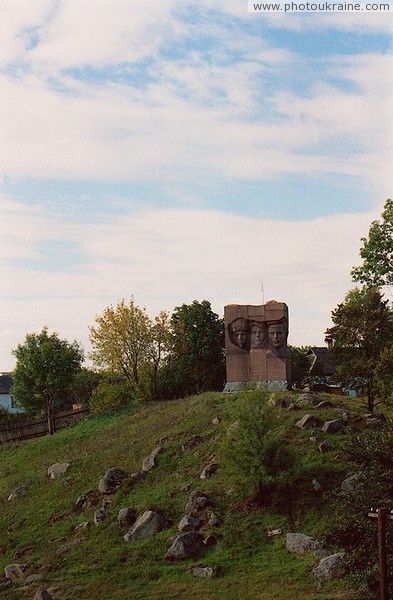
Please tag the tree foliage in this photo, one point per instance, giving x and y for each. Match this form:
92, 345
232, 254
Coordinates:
197, 351
377, 252
300, 364
127, 342
363, 328
45, 368
255, 454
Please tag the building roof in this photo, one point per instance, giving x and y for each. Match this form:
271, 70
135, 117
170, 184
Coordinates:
321, 361
5, 383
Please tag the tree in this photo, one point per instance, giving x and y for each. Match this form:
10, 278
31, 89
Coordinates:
198, 363
126, 342
45, 368
300, 364
363, 328
377, 252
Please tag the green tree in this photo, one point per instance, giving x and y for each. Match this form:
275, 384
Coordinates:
363, 328
127, 342
197, 352
84, 384
255, 455
300, 364
384, 375
45, 368
377, 252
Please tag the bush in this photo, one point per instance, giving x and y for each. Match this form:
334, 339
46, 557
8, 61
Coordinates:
111, 393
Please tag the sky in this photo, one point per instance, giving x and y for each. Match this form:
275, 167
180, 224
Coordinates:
175, 151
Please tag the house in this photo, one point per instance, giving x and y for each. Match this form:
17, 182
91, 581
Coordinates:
6, 400
322, 371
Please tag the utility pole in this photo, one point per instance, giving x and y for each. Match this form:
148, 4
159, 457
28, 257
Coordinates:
383, 515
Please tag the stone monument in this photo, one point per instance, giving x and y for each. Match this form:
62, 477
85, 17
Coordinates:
256, 346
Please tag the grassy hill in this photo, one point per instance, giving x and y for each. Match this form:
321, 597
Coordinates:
248, 564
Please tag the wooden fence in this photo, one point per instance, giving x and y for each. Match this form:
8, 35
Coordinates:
24, 428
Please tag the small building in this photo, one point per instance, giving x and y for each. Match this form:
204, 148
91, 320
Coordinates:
6, 399
322, 371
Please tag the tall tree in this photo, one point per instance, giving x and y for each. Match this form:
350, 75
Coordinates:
197, 348
127, 342
377, 252
45, 368
363, 328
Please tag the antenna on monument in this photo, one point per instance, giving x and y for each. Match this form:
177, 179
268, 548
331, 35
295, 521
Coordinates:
263, 293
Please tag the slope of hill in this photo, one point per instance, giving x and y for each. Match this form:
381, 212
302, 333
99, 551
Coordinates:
247, 563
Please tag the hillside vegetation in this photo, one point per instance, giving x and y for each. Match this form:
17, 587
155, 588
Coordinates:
248, 563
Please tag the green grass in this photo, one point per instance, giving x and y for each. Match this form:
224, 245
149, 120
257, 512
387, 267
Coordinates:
248, 565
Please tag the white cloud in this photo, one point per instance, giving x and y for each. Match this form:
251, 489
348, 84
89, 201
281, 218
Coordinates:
167, 257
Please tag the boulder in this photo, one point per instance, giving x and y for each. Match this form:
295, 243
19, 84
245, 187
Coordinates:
147, 525
197, 501
5, 582
33, 578
193, 441
186, 546
19, 491
15, 570
308, 422
349, 483
111, 481
57, 470
203, 571
100, 516
81, 527
189, 523
42, 595
333, 426
67, 547
324, 404
213, 521
298, 543
330, 567
150, 462
88, 499
209, 470
324, 446
126, 517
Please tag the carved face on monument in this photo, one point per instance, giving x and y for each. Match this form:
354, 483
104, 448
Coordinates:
277, 333
257, 336
239, 333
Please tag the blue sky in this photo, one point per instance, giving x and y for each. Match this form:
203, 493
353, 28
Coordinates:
186, 150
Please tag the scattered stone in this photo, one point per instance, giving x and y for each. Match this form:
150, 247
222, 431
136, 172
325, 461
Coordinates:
81, 527
307, 399
209, 470
111, 481
126, 517
67, 547
274, 532
279, 400
203, 571
324, 404
33, 578
87, 500
5, 582
330, 567
43, 595
138, 476
299, 543
197, 501
22, 550
349, 483
324, 446
147, 525
189, 523
150, 462
19, 491
195, 440
333, 426
186, 546
216, 421
316, 485
308, 422
15, 570
213, 521
100, 516
57, 470
375, 423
